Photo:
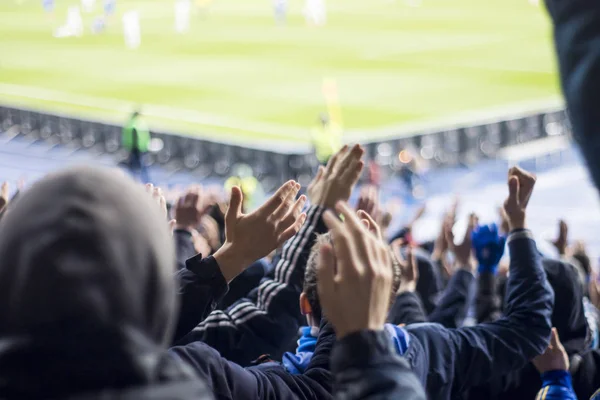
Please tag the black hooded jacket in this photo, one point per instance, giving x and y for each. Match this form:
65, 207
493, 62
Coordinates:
87, 296
568, 318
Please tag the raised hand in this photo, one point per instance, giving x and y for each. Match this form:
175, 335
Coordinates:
335, 182
354, 275
463, 251
409, 270
563, 237
488, 244
520, 188
158, 197
368, 201
189, 209
369, 222
249, 237
555, 357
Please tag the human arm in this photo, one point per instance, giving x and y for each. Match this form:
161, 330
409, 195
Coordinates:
267, 320
480, 352
354, 284
454, 303
577, 39
553, 367
273, 223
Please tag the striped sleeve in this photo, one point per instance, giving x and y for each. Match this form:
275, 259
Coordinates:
267, 320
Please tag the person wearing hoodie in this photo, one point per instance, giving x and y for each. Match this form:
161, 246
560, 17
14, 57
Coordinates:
267, 320
87, 296
364, 363
448, 361
568, 318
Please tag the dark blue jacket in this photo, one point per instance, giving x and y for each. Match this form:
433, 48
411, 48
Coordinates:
449, 361
577, 38
268, 380
450, 311
266, 322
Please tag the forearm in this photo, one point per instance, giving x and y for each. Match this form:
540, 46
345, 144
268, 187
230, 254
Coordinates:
487, 304
577, 39
268, 319
407, 309
184, 247
530, 298
202, 286
454, 303
365, 366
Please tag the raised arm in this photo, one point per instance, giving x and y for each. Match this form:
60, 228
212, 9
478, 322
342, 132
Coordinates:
477, 353
268, 320
248, 238
355, 285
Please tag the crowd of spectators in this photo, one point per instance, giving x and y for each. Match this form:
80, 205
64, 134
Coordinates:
110, 291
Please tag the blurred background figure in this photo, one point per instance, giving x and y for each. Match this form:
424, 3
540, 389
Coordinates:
280, 11
183, 10
136, 140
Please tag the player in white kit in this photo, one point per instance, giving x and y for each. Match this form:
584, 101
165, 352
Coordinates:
315, 12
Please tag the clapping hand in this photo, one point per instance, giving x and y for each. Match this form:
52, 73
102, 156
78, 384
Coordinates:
249, 237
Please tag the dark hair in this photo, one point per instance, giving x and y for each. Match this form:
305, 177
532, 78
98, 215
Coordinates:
310, 276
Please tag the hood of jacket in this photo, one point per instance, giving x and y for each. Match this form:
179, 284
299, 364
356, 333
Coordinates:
87, 295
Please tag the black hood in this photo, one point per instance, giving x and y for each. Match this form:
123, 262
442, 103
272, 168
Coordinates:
568, 316
87, 293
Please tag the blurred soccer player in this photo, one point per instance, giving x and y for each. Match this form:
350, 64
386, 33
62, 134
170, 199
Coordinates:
109, 7
183, 9
136, 139
280, 11
48, 5
315, 12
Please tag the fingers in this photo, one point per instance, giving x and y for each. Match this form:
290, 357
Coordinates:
326, 274
287, 203
331, 164
414, 267
292, 230
526, 184
293, 214
470, 226
449, 235
280, 197
513, 193
235, 206
555, 340
371, 225
350, 217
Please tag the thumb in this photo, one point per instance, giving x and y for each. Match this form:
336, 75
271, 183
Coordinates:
235, 205
320, 173
326, 273
513, 192
555, 340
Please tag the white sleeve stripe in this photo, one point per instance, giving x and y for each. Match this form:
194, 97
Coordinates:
314, 215
305, 239
241, 313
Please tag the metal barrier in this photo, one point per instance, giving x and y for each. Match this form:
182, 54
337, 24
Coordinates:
458, 145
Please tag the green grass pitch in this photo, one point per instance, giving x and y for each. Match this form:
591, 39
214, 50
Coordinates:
236, 75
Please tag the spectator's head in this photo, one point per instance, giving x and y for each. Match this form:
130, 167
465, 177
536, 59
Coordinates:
568, 315
86, 271
309, 299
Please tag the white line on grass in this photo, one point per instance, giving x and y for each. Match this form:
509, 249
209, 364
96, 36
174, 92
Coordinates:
273, 131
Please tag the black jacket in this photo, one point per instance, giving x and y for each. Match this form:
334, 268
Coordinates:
450, 311
569, 319
267, 321
449, 361
365, 367
268, 380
